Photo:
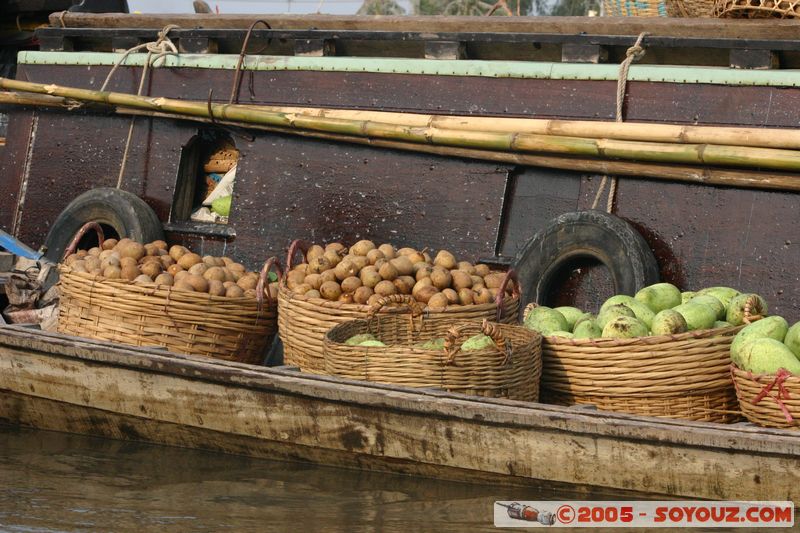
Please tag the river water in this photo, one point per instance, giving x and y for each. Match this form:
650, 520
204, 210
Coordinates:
58, 482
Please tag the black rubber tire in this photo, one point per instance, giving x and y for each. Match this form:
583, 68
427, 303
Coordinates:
581, 234
128, 214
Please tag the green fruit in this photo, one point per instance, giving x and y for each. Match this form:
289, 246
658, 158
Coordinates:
583, 317
736, 307
565, 334
686, 296
668, 322
723, 294
697, 316
371, 343
222, 205
431, 344
767, 356
587, 329
792, 339
609, 313
625, 327
358, 339
571, 314
477, 342
616, 300
772, 327
545, 320
713, 302
642, 311
659, 296
722, 324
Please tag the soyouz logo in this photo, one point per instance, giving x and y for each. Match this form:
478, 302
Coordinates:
693, 513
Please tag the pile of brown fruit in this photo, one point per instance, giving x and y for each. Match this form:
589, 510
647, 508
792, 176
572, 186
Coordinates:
366, 272
176, 266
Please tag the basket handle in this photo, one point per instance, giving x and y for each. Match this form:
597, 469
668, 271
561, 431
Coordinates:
395, 299
79, 235
751, 303
510, 277
297, 243
261, 287
452, 346
528, 308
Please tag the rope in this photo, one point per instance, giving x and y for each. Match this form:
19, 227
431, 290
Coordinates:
161, 47
634, 53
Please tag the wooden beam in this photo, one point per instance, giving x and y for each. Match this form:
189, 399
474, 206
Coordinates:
583, 53
754, 59
445, 50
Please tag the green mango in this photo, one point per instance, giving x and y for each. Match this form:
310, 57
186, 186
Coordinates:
625, 327
642, 312
545, 320
358, 339
722, 324
686, 296
477, 342
222, 206
587, 329
772, 327
431, 344
668, 322
736, 306
583, 317
371, 343
609, 313
766, 356
616, 300
697, 316
659, 296
723, 294
713, 302
565, 334
571, 314
792, 339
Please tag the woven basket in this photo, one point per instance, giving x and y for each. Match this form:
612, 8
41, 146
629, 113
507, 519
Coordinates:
757, 9
769, 400
303, 322
509, 369
690, 8
634, 8
675, 376
234, 329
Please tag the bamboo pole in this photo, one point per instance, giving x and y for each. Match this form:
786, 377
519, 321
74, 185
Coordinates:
670, 153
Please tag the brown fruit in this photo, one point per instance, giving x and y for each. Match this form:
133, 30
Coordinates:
142, 278
404, 284
294, 278
417, 257
482, 296
336, 247
188, 260
131, 249
105, 254
461, 280
424, 271
466, 266
174, 269
303, 288
150, 250
151, 269
318, 264
80, 266
424, 282
210, 261
494, 292
388, 272
248, 281
379, 263
166, 261
161, 245
403, 265
215, 288
481, 270
109, 244
313, 293
385, 288
315, 280
328, 275
349, 285
452, 296
313, 252
165, 279
182, 285
345, 269
235, 267
362, 248
333, 257
465, 297
272, 290
177, 251
92, 263
250, 293
346, 298
130, 272
94, 251
405, 251
127, 262
441, 278
234, 291
445, 259
181, 276
370, 277
360, 261
150, 259
198, 283
70, 260
231, 276
438, 301
330, 290
362, 295
374, 255
81, 254
215, 273
227, 284
476, 280
302, 267
198, 269
110, 272
387, 250
373, 299
494, 280
425, 293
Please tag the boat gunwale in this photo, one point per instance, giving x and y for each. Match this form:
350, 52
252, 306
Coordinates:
496, 412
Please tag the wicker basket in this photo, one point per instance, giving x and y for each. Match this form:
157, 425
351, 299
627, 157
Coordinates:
769, 400
303, 322
757, 9
509, 369
634, 8
675, 376
690, 8
234, 329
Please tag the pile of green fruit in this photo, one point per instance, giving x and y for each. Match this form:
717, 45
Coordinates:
660, 309
767, 345
476, 342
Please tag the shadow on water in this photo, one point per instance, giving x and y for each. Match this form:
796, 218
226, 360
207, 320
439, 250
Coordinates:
59, 482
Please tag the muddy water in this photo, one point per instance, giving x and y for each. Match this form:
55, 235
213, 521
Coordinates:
58, 482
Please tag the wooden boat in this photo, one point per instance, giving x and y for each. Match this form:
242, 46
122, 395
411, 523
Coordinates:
61, 383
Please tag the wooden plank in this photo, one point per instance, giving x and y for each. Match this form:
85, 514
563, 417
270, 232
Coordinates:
445, 50
314, 47
677, 27
584, 53
197, 45
754, 59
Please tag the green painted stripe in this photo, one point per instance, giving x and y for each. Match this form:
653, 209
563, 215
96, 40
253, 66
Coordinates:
489, 69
